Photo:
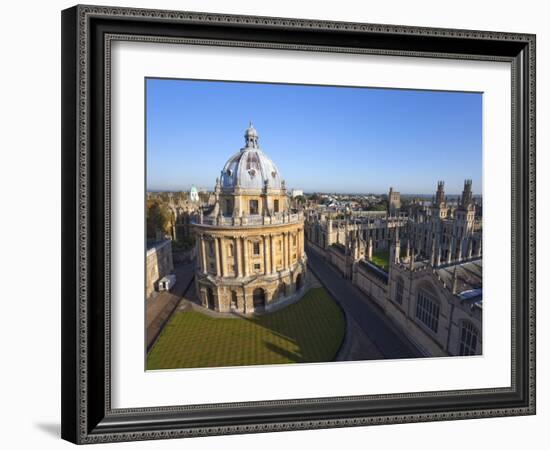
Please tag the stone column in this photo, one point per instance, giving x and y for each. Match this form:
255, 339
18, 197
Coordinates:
203, 255
289, 247
238, 257
222, 256
217, 255
285, 251
265, 255
245, 256
272, 253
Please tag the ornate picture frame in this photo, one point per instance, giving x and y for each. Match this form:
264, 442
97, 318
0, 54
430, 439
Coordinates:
87, 35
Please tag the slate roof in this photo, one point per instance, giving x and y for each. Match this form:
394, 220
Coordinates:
469, 277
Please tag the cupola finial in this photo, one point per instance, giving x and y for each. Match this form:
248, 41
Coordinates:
251, 137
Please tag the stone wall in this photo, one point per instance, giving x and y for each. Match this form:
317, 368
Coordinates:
382, 289
158, 263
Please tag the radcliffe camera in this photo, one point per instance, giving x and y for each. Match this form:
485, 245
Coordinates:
310, 224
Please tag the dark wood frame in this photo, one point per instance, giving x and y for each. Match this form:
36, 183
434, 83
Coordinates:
87, 31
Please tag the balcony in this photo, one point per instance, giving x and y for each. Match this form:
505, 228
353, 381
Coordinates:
249, 221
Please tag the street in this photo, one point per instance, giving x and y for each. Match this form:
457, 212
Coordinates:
367, 320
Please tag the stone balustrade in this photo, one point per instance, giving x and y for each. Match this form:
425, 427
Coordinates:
247, 221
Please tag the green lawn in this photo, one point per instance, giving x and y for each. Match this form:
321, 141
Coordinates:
382, 259
310, 330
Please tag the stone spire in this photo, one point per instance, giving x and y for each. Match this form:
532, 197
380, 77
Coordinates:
396, 247
470, 248
450, 250
455, 280
440, 194
467, 196
369, 249
432, 254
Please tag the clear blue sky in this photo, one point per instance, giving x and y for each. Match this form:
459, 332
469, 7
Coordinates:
325, 139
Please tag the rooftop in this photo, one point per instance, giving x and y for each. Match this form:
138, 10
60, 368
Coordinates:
469, 279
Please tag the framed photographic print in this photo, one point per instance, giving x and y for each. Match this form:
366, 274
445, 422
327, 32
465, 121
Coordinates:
279, 224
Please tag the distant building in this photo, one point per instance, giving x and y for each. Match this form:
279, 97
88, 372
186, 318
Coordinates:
394, 202
158, 264
194, 195
432, 288
297, 193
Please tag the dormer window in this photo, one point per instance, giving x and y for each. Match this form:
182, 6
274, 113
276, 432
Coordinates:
253, 207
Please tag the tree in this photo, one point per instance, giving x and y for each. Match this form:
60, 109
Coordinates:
382, 206
314, 197
159, 219
184, 243
300, 199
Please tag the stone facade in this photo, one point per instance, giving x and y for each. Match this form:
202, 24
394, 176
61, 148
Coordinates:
158, 264
250, 245
432, 289
430, 305
394, 202
371, 231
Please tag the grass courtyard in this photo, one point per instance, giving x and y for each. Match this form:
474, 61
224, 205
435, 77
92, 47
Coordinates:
310, 330
382, 259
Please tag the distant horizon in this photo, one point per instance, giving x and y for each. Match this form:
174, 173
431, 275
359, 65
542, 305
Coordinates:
338, 140
402, 194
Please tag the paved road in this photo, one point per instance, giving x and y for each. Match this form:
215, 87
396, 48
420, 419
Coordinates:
368, 318
161, 305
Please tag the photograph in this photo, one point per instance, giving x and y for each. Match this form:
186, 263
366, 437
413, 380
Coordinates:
295, 223
287, 219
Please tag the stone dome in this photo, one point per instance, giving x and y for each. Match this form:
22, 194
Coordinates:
250, 168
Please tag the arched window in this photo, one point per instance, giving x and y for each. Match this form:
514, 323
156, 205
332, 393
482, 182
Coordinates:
469, 337
399, 287
211, 303
299, 282
427, 310
228, 207
253, 207
234, 303
258, 299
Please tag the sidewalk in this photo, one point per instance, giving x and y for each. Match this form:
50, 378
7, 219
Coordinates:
160, 307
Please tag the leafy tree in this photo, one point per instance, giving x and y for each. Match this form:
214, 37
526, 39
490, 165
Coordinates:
159, 218
300, 199
185, 243
382, 206
314, 197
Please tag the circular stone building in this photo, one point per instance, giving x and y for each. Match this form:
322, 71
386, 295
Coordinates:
250, 244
